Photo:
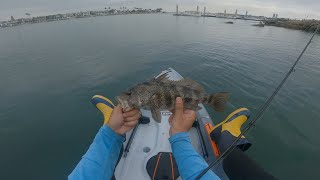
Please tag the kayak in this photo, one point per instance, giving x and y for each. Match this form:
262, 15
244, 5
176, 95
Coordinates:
147, 152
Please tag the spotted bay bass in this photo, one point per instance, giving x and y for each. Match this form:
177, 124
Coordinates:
160, 94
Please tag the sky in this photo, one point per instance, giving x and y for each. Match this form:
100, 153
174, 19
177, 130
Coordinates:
300, 9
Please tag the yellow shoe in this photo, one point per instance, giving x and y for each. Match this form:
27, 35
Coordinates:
228, 130
104, 105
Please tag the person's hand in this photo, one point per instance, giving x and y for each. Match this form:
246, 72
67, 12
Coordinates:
122, 122
181, 119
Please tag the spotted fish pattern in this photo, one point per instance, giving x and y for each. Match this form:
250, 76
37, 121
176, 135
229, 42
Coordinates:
160, 94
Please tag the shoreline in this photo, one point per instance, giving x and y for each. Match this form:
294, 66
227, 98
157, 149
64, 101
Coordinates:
77, 15
302, 25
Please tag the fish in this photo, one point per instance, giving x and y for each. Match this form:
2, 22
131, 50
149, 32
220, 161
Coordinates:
160, 94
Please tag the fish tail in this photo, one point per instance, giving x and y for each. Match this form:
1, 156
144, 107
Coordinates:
217, 101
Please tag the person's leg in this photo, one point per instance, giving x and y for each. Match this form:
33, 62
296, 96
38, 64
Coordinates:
237, 165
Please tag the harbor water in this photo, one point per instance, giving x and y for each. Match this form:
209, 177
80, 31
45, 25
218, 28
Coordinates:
50, 71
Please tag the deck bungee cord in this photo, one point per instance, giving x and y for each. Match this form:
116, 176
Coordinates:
260, 112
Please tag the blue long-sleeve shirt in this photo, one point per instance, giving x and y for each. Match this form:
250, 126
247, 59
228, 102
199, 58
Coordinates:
100, 160
190, 163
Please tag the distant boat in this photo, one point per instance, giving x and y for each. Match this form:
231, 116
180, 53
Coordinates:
254, 18
229, 22
259, 25
208, 15
182, 14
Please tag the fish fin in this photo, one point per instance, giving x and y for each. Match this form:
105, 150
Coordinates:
183, 82
162, 78
190, 84
156, 115
218, 100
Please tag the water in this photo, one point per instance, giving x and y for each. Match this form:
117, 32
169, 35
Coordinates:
49, 72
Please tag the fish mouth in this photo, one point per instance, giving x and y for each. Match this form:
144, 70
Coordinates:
124, 104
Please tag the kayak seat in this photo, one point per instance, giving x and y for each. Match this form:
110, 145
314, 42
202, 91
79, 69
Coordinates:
162, 166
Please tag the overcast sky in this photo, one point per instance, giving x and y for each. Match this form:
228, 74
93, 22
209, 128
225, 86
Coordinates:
285, 8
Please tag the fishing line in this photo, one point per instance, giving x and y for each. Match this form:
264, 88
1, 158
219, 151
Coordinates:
259, 114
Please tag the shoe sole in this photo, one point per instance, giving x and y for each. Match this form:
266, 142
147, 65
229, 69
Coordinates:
233, 115
100, 99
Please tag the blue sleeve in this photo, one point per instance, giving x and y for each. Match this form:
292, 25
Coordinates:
190, 163
101, 158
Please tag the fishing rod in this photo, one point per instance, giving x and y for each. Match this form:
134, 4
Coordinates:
259, 114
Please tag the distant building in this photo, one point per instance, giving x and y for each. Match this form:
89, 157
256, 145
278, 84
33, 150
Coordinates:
191, 13
86, 13
40, 19
177, 9
113, 11
71, 15
28, 20
50, 18
3, 24
234, 15
21, 21
99, 13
